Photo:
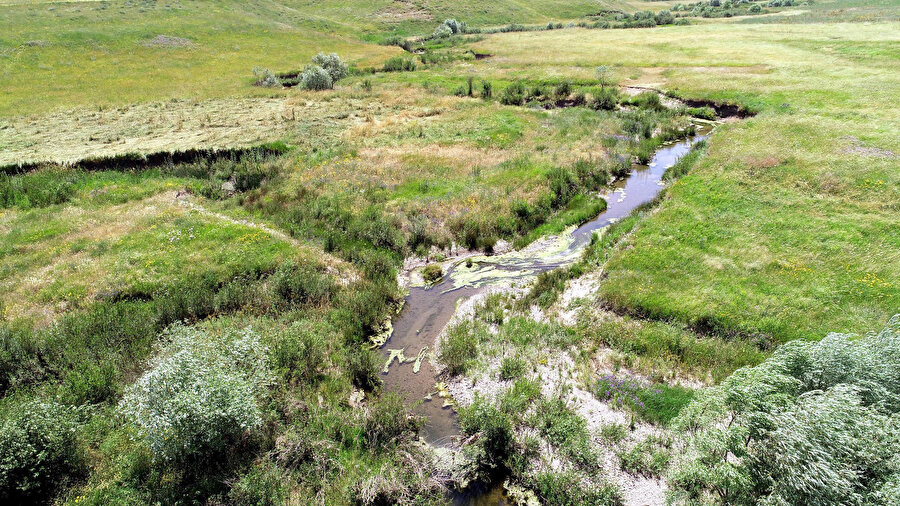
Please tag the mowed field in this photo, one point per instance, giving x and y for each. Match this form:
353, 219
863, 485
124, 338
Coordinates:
791, 226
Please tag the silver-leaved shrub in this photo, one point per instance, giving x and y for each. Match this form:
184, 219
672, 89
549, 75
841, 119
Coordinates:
200, 395
332, 64
315, 78
817, 423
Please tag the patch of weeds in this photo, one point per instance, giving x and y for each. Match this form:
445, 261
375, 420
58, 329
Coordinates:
648, 458
432, 273
566, 430
686, 162
512, 368
613, 433
399, 64
514, 94
520, 396
387, 423
494, 445
568, 489
657, 404
459, 346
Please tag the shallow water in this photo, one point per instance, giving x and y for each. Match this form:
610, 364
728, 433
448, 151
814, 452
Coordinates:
427, 310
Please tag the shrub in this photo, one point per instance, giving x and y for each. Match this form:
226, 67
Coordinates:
639, 123
432, 273
362, 367
199, 397
664, 17
301, 285
755, 9
813, 424
566, 430
332, 64
315, 78
563, 186
387, 423
604, 75
562, 90
459, 345
649, 458
266, 78
399, 64
39, 452
495, 444
442, 31
300, 352
487, 91
648, 100
604, 100
514, 94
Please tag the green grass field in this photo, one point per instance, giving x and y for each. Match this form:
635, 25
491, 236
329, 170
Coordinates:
789, 227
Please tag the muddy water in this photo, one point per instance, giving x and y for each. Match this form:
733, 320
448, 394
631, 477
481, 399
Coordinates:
427, 311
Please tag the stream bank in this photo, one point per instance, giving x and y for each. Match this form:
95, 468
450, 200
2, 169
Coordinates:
409, 364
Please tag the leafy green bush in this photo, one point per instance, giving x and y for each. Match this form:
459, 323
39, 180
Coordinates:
604, 99
566, 430
199, 397
39, 452
315, 78
362, 368
562, 90
649, 457
300, 353
814, 424
514, 94
563, 186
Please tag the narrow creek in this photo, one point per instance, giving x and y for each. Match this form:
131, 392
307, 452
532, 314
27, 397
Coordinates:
428, 310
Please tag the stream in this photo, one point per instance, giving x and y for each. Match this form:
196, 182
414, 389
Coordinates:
428, 310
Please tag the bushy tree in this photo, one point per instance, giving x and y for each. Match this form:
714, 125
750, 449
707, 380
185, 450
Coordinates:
315, 78
39, 451
817, 423
332, 64
200, 395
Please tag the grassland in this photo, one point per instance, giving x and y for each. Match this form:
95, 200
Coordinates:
788, 228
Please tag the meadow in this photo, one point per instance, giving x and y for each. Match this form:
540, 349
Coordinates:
195, 261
